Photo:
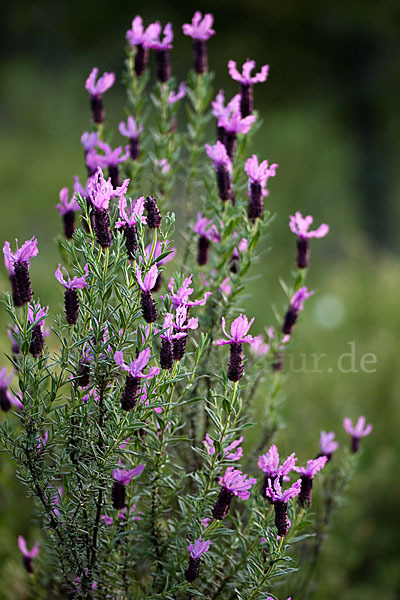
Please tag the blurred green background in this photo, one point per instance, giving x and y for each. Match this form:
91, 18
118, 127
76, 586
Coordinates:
330, 112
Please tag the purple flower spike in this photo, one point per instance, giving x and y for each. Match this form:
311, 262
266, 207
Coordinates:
258, 174
269, 463
246, 83
36, 316
100, 192
135, 374
139, 38
181, 325
174, 97
71, 300
234, 483
28, 555
307, 475
196, 550
357, 432
239, 329
200, 30
223, 169
122, 478
17, 264
132, 131
300, 225
208, 232
96, 89
296, 305
328, 444
280, 499
128, 220
67, 209
162, 48
233, 123
148, 305
7, 399
221, 112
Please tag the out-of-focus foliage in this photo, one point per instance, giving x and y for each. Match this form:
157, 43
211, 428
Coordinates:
330, 108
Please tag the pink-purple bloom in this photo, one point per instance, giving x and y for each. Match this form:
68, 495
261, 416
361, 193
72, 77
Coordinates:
42, 441
138, 35
7, 399
307, 474
208, 232
219, 155
174, 97
300, 226
258, 174
232, 451
296, 306
162, 48
328, 444
124, 476
239, 331
36, 316
132, 130
147, 283
76, 283
275, 492
245, 76
136, 367
17, 265
312, 467
247, 80
269, 464
101, 191
132, 215
234, 483
259, 347
66, 205
89, 140
356, 432
27, 251
96, 89
181, 295
28, 555
196, 550
200, 28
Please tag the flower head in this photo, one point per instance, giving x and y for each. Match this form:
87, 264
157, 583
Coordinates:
27, 251
219, 110
65, 205
89, 140
133, 214
102, 85
327, 443
232, 451
135, 369
100, 190
137, 35
237, 482
181, 296
299, 298
42, 441
77, 283
111, 157
269, 463
239, 330
148, 282
23, 548
300, 226
163, 165
313, 466
360, 430
245, 76
130, 129
219, 155
200, 28
235, 123
259, 172
153, 36
124, 476
37, 313
205, 227
174, 97
276, 494
198, 548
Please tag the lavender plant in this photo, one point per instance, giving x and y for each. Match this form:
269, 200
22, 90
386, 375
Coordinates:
128, 431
